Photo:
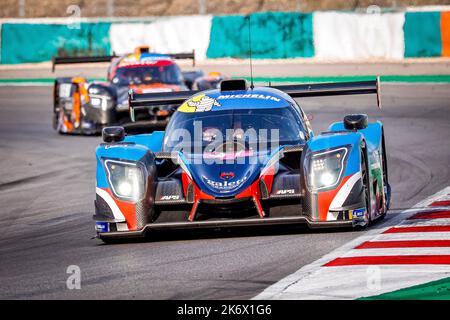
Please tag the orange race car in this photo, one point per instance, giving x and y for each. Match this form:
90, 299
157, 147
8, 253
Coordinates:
86, 107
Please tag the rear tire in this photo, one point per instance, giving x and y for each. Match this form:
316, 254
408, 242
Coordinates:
366, 185
59, 122
386, 186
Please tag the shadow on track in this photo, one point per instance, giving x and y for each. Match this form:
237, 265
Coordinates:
243, 232
224, 233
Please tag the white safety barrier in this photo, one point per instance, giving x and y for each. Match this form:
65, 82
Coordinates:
358, 36
168, 34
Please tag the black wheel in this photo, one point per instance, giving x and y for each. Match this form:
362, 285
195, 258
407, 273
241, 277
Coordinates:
55, 120
59, 121
366, 184
386, 186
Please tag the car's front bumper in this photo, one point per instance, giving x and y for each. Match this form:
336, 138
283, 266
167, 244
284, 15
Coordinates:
214, 224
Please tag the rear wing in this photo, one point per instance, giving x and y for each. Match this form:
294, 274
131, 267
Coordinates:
96, 59
84, 59
333, 89
183, 56
138, 101
146, 100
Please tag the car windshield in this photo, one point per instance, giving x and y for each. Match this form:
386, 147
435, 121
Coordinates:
169, 74
250, 129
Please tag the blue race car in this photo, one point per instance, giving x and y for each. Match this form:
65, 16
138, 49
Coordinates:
241, 156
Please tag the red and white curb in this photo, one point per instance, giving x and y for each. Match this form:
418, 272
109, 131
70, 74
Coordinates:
410, 249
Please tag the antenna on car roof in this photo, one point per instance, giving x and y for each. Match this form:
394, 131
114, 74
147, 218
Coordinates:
250, 52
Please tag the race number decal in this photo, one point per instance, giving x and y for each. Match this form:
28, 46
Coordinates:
64, 90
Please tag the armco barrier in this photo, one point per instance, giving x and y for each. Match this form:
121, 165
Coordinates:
40, 42
274, 35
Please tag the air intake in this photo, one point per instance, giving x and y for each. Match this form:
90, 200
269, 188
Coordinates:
233, 85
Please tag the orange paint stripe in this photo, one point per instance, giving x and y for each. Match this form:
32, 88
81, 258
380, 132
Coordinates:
445, 33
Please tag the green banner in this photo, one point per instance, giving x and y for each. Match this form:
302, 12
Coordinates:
25, 42
274, 35
422, 34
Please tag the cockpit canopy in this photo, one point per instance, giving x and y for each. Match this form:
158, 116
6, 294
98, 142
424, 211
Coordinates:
225, 123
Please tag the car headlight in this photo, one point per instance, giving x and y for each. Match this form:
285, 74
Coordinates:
100, 101
96, 102
127, 179
325, 168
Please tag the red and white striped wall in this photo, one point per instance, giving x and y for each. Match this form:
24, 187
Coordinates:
410, 249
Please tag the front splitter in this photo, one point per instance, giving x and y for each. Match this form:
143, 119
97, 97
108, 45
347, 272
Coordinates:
225, 224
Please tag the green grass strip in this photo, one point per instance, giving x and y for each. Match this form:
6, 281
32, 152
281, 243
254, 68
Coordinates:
436, 290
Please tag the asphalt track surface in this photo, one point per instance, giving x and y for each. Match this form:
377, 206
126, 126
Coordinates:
47, 189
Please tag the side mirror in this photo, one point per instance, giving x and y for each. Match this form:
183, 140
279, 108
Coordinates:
113, 134
356, 121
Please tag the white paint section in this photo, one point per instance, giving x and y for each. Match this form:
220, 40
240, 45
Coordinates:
425, 222
432, 8
332, 215
357, 281
164, 35
123, 226
351, 36
407, 236
314, 281
111, 203
398, 252
343, 193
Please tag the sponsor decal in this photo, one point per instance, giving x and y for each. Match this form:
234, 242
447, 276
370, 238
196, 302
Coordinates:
65, 90
226, 175
121, 145
286, 191
200, 103
171, 197
101, 226
358, 213
152, 59
224, 185
249, 96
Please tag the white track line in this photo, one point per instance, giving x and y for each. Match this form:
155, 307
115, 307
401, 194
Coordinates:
349, 282
345, 282
398, 252
425, 222
412, 236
